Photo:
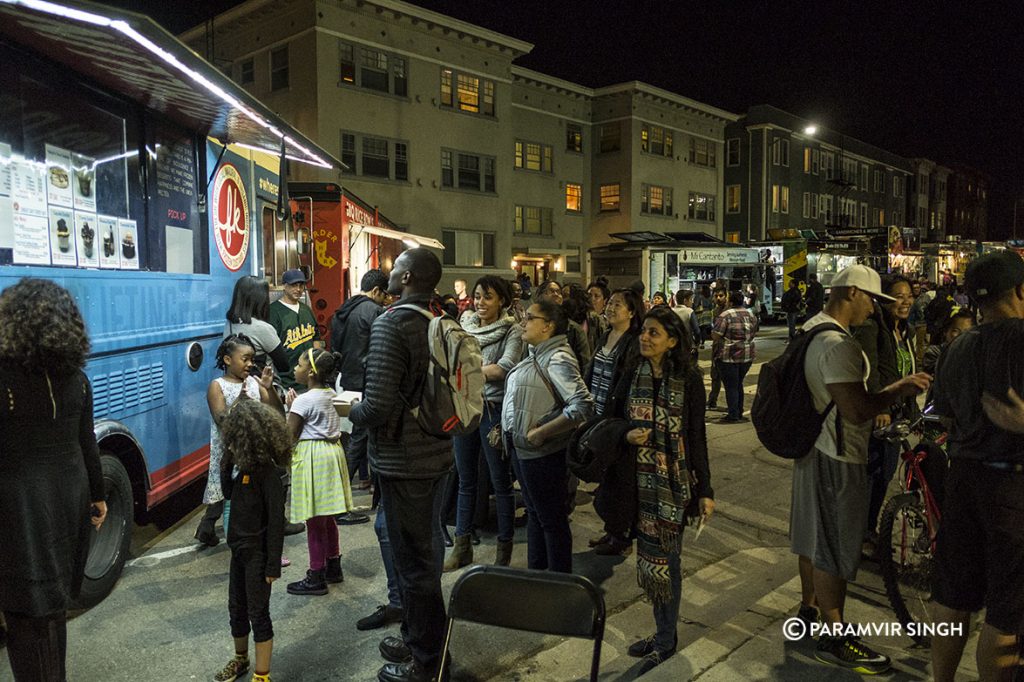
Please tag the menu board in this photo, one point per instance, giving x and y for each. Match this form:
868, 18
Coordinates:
62, 241
85, 240
107, 241
58, 176
128, 244
31, 239
28, 187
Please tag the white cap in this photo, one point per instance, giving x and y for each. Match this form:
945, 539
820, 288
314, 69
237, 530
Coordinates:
862, 277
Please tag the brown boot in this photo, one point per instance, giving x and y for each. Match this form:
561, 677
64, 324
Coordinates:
503, 556
462, 553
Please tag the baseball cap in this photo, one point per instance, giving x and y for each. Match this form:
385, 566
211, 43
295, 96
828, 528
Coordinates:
994, 273
862, 277
293, 276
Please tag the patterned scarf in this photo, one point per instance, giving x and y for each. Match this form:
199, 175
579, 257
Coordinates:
661, 476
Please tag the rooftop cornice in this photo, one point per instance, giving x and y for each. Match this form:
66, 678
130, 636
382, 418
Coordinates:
667, 96
519, 73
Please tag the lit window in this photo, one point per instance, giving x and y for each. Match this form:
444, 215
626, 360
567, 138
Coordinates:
574, 138
656, 200
732, 199
609, 197
573, 197
784, 201
702, 152
469, 93
533, 220
446, 87
701, 206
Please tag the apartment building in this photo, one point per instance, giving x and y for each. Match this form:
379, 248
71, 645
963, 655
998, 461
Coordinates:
783, 172
511, 169
968, 203
927, 199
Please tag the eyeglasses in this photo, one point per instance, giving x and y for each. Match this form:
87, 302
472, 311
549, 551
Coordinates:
530, 318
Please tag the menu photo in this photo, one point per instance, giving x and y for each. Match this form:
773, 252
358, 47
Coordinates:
83, 182
129, 244
85, 236
62, 241
107, 242
58, 176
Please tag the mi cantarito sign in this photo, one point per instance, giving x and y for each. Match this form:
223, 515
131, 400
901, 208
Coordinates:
719, 256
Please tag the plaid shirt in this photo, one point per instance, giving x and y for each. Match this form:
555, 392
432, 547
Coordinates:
737, 327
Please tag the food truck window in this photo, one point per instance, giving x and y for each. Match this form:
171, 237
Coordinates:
70, 185
280, 247
175, 238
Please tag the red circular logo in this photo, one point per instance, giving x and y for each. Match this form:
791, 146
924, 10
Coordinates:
230, 217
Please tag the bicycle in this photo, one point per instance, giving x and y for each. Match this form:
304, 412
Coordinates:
910, 522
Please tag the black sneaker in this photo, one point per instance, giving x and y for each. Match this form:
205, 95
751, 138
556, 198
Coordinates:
652, 661
395, 650
851, 653
809, 616
384, 615
351, 519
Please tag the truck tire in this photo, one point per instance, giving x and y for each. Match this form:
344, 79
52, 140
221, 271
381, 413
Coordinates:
108, 547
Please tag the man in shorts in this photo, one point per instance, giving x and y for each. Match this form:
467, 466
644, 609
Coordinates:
830, 484
979, 554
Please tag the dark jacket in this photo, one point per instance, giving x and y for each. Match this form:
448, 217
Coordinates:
350, 336
879, 345
579, 344
396, 367
815, 298
257, 514
50, 472
627, 358
791, 300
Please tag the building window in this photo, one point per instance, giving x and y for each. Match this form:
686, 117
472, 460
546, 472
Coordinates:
825, 206
775, 198
279, 68
375, 157
246, 73
535, 220
471, 171
574, 138
785, 153
609, 197
573, 262
732, 199
878, 181
864, 178
573, 197
656, 200
655, 140
374, 72
807, 160
732, 237
610, 137
780, 152
815, 161
702, 206
533, 156
863, 215
470, 94
880, 217
828, 165
897, 186
400, 76
468, 249
732, 152
784, 199
702, 152
811, 160
346, 63
807, 204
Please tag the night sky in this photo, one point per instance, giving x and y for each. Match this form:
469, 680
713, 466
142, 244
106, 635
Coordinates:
939, 80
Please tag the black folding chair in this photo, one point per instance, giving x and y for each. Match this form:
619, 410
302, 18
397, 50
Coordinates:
535, 601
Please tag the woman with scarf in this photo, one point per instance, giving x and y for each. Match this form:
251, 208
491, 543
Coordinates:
666, 409
501, 343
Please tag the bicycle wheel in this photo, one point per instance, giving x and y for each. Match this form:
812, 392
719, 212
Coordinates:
906, 562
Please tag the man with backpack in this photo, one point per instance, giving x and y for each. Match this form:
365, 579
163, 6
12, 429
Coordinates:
411, 465
830, 486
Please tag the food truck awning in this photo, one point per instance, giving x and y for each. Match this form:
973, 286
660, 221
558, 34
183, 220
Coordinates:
654, 237
132, 55
406, 237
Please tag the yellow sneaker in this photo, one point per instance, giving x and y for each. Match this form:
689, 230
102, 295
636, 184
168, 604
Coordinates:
260, 678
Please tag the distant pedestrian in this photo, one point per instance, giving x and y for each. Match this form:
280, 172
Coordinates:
235, 357
735, 329
704, 307
792, 301
815, 296
295, 323
666, 411
599, 295
577, 337
830, 485
51, 476
463, 299
256, 443
517, 309
411, 465
320, 480
684, 309
659, 298
720, 303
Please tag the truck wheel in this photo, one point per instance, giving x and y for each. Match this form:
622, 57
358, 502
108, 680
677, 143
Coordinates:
108, 548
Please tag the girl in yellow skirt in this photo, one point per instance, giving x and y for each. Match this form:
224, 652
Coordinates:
320, 481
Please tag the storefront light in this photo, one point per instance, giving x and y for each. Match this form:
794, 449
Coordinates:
515, 264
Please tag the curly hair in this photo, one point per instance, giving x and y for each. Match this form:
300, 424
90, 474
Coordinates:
41, 328
255, 435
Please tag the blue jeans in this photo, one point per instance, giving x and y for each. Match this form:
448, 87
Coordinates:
544, 482
791, 323
388, 559
732, 378
467, 452
883, 459
666, 615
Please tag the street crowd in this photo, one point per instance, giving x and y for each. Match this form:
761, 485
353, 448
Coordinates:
563, 367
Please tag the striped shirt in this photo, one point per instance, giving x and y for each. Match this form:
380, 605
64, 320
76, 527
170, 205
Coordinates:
601, 379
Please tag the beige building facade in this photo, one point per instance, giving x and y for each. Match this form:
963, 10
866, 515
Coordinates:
511, 169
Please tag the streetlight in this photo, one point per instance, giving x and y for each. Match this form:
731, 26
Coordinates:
810, 130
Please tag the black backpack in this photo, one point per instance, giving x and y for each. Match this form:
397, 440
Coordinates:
783, 412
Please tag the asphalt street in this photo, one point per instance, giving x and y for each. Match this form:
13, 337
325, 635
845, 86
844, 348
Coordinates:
167, 617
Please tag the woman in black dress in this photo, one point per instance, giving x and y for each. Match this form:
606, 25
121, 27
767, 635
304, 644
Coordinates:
51, 480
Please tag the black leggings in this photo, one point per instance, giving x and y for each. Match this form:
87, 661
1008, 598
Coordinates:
36, 646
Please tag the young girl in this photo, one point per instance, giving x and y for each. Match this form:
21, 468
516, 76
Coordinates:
235, 357
256, 441
320, 481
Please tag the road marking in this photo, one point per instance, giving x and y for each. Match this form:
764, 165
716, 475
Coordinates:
154, 559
